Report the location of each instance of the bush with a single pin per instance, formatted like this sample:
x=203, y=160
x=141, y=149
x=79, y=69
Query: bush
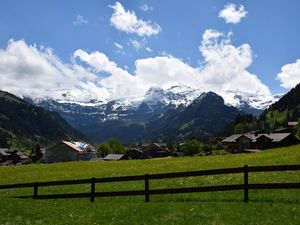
x=192, y=147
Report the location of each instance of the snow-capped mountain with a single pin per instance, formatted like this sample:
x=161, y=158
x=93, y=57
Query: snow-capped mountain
x=129, y=119
x=155, y=101
x=176, y=95
x=239, y=99
x=184, y=95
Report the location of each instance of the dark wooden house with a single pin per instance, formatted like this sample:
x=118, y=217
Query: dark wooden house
x=261, y=141
x=11, y=157
x=155, y=150
x=134, y=154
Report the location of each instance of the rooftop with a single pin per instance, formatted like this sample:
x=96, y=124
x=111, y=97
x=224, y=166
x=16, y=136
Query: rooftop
x=275, y=137
x=113, y=156
x=80, y=147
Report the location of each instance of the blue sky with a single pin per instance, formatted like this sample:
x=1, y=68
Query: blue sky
x=269, y=29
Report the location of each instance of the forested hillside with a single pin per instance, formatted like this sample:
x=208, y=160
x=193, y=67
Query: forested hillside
x=22, y=124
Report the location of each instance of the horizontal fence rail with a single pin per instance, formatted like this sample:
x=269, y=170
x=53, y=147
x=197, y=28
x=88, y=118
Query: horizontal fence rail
x=147, y=177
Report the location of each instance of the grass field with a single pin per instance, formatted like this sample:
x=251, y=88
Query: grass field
x=265, y=206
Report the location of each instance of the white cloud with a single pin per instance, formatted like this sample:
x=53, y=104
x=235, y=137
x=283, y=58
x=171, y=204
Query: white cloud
x=98, y=60
x=128, y=22
x=28, y=70
x=224, y=69
x=37, y=72
x=80, y=20
x=139, y=45
x=119, y=46
x=225, y=66
x=145, y=7
x=136, y=44
x=119, y=83
x=232, y=14
x=290, y=74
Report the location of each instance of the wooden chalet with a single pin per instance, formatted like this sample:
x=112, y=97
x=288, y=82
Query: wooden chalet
x=260, y=141
x=155, y=150
x=69, y=151
x=134, y=153
x=11, y=157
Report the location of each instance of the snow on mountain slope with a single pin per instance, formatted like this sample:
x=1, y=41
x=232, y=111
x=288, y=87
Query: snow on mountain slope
x=156, y=100
x=239, y=99
x=176, y=95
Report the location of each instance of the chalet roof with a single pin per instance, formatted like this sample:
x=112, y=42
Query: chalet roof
x=79, y=146
x=292, y=123
x=23, y=157
x=281, y=130
x=8, y=152
x=275, y=137
x=4, y=152
x=113, y=156
x=232, y=138
x=153, y=143
x=135, y=150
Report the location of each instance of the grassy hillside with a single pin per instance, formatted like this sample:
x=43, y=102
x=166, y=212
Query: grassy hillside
x=265, y=207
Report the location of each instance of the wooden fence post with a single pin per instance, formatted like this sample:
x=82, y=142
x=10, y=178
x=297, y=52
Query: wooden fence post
x=246, y=194
x=146, y=188
x=35, y=190
x=92, y=197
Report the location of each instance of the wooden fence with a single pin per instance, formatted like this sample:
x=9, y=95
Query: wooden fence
x=147, y=177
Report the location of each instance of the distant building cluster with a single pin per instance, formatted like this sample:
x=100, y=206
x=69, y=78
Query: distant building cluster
x=11, y=157
x=256, y=141
x=76, y=151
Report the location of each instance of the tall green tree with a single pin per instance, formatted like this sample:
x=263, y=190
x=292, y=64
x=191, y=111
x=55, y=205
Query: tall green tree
x=113, y=145
x=192, y=147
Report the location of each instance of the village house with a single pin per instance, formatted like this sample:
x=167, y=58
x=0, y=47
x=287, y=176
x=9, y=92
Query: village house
x=134, y=153
x=251, y=142
x=155, y=150
x=69, y=151
x=11, y=157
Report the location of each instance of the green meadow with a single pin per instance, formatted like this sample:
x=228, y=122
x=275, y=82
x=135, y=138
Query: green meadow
x=264, y=206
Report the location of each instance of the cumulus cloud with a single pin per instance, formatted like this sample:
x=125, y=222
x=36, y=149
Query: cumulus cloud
x=225, y=66
x=98, y=60
x=37, y=72
x=119, y=83
x=232, y=14
x=33, y=71
x=80, y=20
x=290, y=74
x=128, y=22
x=224, y=69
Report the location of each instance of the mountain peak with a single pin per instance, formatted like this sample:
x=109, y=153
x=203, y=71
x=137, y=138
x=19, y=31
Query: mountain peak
x=209, y=98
